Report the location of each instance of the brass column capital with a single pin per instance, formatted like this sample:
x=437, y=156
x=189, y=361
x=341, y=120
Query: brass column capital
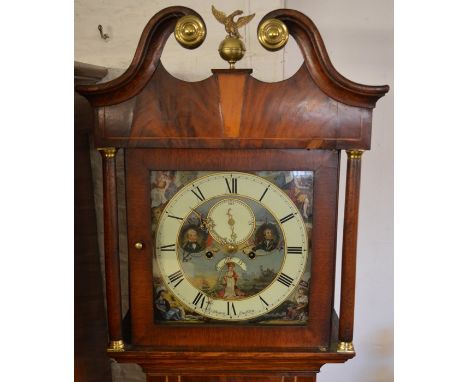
x=354, y=154
x=107, y=152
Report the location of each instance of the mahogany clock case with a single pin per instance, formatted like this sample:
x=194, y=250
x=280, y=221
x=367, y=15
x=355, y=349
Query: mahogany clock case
x=322, y=244
x=232, y=122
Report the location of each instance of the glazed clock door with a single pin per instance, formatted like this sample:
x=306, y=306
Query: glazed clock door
x=223, y=244
x=231, y=246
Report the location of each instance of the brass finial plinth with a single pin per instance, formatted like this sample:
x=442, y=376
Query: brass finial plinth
x=190, y=31
x=273, y=34
x=231, y=49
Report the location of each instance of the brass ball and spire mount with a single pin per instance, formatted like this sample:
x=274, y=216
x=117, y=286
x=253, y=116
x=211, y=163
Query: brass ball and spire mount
x=190, y=32
x=232, y=49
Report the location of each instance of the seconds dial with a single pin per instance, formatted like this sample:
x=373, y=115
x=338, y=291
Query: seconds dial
x=233, y=221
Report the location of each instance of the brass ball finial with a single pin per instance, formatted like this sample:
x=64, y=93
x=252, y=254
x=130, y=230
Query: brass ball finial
x=273, y=34
x=231, y=50
x=190, y=31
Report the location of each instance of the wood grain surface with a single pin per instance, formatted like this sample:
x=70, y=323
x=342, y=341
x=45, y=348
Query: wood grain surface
x=111, y=248
x=348, y=263
x=90, y=341
x=316, y=108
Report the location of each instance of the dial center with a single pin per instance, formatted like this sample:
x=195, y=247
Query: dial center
x=234, y=221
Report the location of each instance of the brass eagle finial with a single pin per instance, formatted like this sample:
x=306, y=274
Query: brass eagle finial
x=231, y=26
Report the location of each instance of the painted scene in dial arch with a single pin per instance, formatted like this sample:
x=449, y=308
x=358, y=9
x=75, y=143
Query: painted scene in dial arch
x=250, y=268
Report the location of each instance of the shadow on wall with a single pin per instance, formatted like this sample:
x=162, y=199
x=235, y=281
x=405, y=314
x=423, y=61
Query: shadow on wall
x=127, y=372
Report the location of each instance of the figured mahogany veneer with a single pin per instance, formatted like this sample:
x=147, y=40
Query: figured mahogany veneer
x=192, y=365
x=233, y=110
x=322, y=244
x=316, y=108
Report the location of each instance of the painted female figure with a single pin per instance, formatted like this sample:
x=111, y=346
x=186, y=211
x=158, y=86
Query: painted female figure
x=229, y=282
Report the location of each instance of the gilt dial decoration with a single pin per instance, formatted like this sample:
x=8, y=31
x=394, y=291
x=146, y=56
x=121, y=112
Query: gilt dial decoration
x=231, y=246
x=233, y=221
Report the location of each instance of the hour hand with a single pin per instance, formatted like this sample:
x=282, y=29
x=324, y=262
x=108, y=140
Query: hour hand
x=204, y=223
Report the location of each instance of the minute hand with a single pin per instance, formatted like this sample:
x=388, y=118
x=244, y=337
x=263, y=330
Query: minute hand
x=231, y=223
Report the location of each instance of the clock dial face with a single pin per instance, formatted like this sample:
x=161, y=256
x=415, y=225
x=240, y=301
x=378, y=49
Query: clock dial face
x=231, y=246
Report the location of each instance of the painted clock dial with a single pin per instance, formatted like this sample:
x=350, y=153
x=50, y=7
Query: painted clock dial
x=229, y=246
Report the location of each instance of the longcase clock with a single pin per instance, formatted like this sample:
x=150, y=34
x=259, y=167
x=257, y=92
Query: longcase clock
x=231, y=202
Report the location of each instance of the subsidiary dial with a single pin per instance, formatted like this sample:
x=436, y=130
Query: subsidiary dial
x=233, y=221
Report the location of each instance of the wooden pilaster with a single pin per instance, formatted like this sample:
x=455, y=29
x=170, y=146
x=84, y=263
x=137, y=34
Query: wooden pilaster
x=348, y=270
x=111, y=249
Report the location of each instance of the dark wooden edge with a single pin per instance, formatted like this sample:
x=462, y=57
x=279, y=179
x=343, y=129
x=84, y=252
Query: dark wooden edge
x=111, y=247
x=91, y=362
x=231, y=71
x=144, y=63
x=229, y=363
x=87, y=73
x=159, y=361
x=319, y=65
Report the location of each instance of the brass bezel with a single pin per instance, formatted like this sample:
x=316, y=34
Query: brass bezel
x=190, y=31
x=273, y=34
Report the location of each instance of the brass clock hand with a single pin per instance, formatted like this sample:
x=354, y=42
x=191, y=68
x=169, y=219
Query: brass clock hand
x=231, y=223
x=205, y=224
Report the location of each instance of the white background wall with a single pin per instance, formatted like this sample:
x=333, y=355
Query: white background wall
x=358, y=35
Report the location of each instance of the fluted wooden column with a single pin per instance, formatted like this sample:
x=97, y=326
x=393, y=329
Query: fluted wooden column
x=348, y=267
x=111, y=249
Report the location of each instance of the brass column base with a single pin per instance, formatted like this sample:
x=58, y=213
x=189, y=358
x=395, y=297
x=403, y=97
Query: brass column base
x=345, y=347
x=116, y=346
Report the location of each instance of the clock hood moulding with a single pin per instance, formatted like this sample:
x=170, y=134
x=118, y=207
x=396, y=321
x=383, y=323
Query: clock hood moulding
x=317, y=108
x=159, y=28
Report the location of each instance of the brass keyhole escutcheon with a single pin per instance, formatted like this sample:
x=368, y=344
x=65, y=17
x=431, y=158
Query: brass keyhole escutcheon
x=139, y=245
